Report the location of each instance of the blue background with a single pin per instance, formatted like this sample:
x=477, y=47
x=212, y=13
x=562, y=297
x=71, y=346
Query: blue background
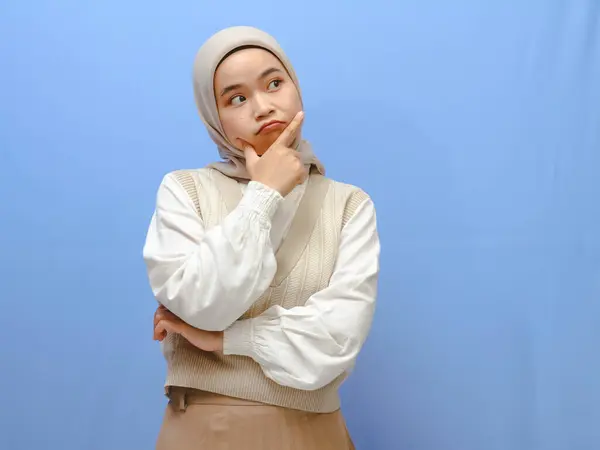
x=474, y=125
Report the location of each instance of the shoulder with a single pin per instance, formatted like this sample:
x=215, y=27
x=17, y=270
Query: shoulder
x=350, y=192
x=186, y=176
x=354, y=199
x=181, y=186
x=187, y=180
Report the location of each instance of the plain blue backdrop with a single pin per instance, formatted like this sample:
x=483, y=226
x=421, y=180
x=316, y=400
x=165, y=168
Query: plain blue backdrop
x=474, y=125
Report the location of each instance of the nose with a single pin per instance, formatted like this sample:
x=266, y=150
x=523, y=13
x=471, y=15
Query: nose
x=262, y=106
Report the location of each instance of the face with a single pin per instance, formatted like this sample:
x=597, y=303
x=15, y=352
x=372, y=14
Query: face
x=256, y=98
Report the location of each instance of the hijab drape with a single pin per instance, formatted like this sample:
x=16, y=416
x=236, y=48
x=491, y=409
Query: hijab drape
x=208, y=58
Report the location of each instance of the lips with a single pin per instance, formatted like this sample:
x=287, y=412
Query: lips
x=270, y=126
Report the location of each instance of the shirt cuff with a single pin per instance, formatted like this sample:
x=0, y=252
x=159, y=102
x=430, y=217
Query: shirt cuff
x=261, y=199
x=238, y=339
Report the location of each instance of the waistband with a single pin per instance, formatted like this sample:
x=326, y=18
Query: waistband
x=181, y=397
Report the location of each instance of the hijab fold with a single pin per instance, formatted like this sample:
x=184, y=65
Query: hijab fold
x=206, y=62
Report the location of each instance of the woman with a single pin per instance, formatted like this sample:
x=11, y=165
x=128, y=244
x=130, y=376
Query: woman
x=265, y=270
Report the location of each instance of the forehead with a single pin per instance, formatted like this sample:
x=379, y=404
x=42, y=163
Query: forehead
x=245, y=65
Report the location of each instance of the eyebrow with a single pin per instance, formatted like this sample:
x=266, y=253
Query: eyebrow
x=268, y=72
x=233, y=87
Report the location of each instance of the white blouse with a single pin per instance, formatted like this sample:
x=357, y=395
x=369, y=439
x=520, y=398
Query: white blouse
x=211, y=278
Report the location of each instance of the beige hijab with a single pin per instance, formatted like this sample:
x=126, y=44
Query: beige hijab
x=206, y=62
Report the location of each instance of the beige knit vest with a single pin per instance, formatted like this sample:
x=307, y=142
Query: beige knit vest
x=305, y=263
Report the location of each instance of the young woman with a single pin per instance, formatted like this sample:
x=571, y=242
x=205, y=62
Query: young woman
x=265, y=270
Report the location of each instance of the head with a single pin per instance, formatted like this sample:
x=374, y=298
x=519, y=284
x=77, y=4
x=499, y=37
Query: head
x=243, y=81
x=256, y=97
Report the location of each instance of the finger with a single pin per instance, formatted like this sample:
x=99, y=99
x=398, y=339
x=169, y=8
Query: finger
x=244, y=145
x=158, y=316
x=302, y=175
x=159, y=331
x=168, y=315
x=159, y=334
x=159, y=310
x=249, y=153
x=289, y=134
x=167, y=326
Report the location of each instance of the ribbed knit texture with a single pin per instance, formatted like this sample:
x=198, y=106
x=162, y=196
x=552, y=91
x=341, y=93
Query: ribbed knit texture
x=306, y=261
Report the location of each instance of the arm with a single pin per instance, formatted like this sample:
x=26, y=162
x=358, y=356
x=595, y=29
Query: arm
x=307, y=347
x=210, y=278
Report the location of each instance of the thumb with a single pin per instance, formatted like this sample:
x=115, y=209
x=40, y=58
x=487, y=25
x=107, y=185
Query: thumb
x=159, y=331
x=250, y=154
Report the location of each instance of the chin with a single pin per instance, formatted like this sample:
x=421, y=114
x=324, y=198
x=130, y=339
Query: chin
x=265, y=141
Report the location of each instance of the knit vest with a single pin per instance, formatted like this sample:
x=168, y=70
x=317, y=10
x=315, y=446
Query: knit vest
x=305, y=263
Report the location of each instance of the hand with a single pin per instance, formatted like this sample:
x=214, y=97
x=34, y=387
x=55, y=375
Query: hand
x=280, y=167
x=166, y=322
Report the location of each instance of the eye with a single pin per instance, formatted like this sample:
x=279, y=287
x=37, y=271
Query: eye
x=274, y=84
x=237, y=100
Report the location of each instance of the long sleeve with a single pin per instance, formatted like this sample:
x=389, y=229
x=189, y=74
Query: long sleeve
x=307, y=347
x=210, y=278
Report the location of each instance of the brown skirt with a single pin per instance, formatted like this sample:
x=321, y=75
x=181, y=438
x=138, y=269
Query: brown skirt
x=196, y=420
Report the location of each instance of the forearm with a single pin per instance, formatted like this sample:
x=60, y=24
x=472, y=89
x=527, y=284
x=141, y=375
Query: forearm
x=210, y=278
x=308, y=346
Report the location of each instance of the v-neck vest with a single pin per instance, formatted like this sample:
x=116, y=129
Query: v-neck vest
x=305, y=263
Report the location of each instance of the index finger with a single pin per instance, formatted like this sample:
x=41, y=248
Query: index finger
x=289, y=134
x=243, y=145
x=249, y=153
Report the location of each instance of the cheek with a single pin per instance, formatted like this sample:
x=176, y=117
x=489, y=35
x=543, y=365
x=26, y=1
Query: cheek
x=235, y=125
x=292, y=101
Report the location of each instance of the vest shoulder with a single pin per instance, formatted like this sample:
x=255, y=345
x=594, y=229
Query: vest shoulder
x=202, y=171
x=347, y=189
x=198, y=176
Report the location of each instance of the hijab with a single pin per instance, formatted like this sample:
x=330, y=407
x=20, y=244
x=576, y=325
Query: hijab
x=208, y=58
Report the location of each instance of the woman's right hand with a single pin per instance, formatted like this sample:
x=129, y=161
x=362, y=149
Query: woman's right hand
x=280, y=167
x=166, y=322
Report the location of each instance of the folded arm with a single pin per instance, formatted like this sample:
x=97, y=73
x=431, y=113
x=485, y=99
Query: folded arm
x=307, y=347
x=209, y=278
